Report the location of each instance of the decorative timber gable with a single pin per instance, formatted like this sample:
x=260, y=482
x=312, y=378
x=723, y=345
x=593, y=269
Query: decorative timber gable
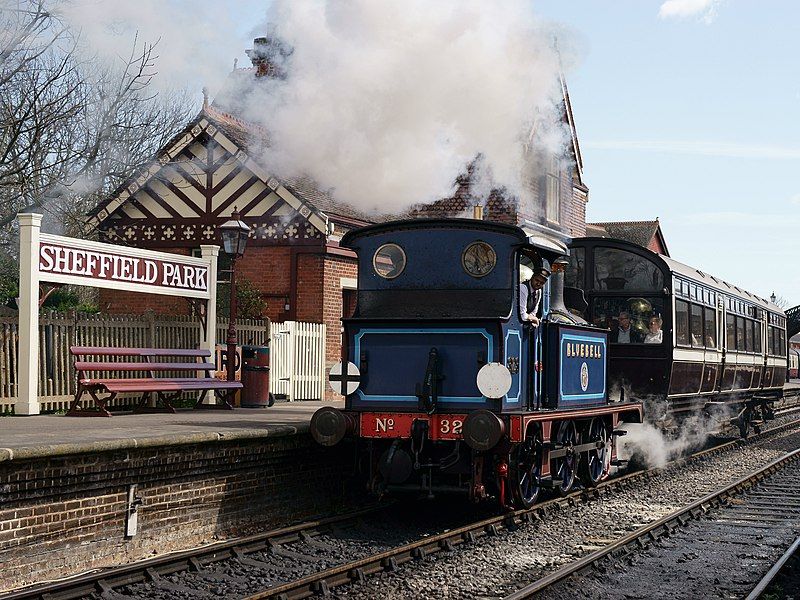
x=195, y=183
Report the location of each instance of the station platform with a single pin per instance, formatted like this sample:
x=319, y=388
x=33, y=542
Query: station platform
x=43, y=436
x=81, y=493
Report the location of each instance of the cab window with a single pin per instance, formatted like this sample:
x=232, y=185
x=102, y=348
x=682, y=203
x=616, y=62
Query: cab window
x=618, y=270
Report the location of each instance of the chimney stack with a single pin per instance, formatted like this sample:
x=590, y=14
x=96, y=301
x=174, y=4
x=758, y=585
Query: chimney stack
x=268, y=55
x=477, y=212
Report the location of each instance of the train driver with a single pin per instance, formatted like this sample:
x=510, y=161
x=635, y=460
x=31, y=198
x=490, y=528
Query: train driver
x=530, y=292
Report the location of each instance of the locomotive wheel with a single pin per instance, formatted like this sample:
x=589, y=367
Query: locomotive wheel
x=525, y=469
x=596, y=468
x=566, y=466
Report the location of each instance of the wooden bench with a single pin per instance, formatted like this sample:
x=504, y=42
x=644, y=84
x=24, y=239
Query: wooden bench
x=97, y=376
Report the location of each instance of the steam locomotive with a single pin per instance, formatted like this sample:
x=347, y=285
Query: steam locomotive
x=450, y=387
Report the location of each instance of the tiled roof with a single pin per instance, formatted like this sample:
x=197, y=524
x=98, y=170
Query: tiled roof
x=636, y=232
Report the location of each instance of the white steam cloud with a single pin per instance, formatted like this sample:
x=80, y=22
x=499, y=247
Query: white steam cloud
x=386, y=103
x=681, y=9
x=196, y=40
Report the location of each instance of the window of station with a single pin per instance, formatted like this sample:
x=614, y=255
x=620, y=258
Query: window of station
x=611, y=313
x=618, y=270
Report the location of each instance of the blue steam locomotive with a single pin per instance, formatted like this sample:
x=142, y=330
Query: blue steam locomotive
x=448, y=381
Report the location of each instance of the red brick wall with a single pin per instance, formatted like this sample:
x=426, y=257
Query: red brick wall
x=63, y=515
x=655, y=246
x=114, y=302
x=335, y=268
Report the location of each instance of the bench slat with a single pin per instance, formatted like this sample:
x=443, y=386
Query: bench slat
x=167, y=385
x=143, y=366
x=104, y=351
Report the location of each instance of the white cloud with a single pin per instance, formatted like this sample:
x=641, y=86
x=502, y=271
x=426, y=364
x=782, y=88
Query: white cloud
x=682, y=9
x=795, y=199
x=698, y=147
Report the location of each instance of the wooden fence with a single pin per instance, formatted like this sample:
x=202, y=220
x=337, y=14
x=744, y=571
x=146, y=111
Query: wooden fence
x=59, y=331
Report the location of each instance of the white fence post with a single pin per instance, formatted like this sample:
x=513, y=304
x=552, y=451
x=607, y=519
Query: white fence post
x=28, y=365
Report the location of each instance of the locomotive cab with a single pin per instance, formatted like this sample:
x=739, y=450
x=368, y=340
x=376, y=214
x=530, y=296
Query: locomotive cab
x=446, y=374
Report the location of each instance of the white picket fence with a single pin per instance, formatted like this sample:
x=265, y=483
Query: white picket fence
x=297, y=351
x=297, y=360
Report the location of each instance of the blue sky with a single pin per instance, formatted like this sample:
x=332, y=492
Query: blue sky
x=695, y=120
x=687, y=110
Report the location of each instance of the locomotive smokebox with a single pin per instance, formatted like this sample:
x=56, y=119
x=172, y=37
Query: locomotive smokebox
x=483, y=430
x=330, y=425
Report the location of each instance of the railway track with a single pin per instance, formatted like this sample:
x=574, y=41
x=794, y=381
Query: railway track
x=705, y=545
x=222, y=568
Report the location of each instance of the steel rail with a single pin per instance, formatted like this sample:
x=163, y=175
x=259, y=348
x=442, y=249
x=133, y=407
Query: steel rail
x=389, y=560
x=101, y=580
x=104, y=579
x=656, y=529
x=762, y=585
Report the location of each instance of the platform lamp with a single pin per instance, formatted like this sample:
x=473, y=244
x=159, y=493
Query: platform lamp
x=234, y=239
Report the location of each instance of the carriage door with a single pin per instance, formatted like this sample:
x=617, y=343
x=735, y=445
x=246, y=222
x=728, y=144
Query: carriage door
x=722, y=341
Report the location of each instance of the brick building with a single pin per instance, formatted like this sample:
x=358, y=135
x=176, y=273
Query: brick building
x=647, y=234
x=177, y=201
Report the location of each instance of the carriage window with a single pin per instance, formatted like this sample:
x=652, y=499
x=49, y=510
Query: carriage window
x=757, y=337
x=748, y=335
x=710, y=328
x=697, y=325
x=752, y=345
x=770, y=340
x=573, y=277
x=606, y=312
x=682, y=323
x=782, y=335
x=740, y=334
x=621, y=270
x=730, y=331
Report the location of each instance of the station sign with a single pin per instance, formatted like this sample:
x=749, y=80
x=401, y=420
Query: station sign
x=78, y=262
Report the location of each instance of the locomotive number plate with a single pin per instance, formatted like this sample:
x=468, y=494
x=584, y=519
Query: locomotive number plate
x=398, y=425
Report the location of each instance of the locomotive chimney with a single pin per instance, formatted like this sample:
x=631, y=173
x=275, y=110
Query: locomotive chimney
x=558, y=311
x=477, y=212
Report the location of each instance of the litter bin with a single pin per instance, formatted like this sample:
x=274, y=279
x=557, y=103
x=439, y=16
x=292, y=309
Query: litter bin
x=255, y=377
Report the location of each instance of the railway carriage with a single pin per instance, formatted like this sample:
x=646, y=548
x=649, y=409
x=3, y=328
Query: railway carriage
x=719, y=346
x=448, y=388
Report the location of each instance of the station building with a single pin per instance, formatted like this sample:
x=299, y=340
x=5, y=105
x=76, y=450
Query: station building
x=211, y=167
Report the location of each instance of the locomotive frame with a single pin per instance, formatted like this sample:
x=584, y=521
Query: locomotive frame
x=448, y=388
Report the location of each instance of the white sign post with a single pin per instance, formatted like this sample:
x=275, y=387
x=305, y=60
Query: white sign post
x=47, y=258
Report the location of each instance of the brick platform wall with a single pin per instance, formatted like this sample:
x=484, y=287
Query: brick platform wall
x=63, y=515
x=335, y=268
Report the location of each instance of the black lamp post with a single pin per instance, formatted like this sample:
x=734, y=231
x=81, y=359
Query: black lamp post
x=234, y=239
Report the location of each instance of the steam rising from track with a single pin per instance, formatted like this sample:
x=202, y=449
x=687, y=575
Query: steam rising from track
x=655, y=448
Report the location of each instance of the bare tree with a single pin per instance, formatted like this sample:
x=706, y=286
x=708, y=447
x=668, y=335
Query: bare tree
x=72, y=127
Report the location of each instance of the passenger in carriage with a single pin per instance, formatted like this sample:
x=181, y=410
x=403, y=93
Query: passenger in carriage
x=624, y=334
x=654, y=333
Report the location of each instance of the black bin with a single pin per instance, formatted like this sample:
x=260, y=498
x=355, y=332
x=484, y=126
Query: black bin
x=255, y=377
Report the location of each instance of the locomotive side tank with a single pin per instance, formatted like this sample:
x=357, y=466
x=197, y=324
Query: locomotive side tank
x=447, y=384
